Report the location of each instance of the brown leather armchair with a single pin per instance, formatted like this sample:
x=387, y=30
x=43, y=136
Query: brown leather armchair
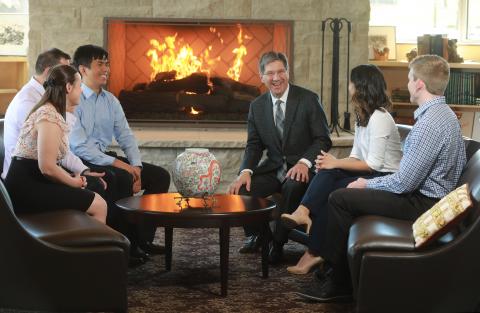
x=59, y=261
x=390, y=275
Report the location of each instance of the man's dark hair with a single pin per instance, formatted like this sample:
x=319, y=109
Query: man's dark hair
x=84, y=55
x=49, y=58
x=56, y=87
x=269, y=57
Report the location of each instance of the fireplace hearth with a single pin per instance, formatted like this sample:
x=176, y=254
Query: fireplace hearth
x=190, y=70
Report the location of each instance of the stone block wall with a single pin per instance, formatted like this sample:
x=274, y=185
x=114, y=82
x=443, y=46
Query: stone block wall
x=162, y=146
x=66, y=24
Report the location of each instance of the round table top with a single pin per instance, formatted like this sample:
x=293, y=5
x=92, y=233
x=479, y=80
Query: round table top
x=172, y=204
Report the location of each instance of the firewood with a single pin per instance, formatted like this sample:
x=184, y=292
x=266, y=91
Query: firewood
x=208, y=103
x=196, y=82
x=239, y=95
x=164, y=76
x=149, y=101
x=235, y=86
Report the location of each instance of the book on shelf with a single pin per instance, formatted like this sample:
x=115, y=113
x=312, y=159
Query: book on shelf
x=400, y=95
x=433, y=44
x=463, y=88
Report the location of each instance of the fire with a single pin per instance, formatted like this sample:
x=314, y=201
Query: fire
x=165, y=57
x=193, y=111
x=235, y=71
x=174, y=55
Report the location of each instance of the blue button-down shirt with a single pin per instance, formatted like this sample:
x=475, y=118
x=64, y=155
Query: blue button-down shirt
x=100, y=118
x=434, y=154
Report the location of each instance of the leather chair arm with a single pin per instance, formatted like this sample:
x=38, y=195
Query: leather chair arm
x=69, y=228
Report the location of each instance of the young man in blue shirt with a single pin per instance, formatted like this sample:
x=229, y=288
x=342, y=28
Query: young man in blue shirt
x=100, y=119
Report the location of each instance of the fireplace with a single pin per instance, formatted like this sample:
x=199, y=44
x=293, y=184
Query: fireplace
x=186, y=70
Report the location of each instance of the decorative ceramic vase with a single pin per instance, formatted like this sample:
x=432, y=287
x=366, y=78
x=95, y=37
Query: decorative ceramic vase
x=196, y=173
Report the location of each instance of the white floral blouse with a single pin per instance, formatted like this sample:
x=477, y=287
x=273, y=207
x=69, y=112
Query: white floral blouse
x=27, y=141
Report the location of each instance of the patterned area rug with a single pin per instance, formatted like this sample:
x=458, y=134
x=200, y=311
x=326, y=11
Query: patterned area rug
x=193, y=284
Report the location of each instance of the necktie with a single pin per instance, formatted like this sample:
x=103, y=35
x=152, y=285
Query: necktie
x=279, y=121
x=279, y=117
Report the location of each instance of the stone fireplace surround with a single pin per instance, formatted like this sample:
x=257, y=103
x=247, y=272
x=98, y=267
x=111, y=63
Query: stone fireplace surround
x=66, y=24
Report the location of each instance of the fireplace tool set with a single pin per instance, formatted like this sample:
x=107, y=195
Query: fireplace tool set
x=336, y=25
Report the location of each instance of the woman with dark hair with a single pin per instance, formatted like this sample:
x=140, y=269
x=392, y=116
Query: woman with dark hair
x=35, y=181
x=376, y=151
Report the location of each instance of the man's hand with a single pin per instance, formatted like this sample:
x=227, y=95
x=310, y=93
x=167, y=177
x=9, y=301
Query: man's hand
x=360, y=183
x=79, y=181
x=124, y=166
x=137, y=173
x=99, y=175
x=298, y=172
x=325, y=161
x=137, y=185
x=137, y=178
x=242, y=179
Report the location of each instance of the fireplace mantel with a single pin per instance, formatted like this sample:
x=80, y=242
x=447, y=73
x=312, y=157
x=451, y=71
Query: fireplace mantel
x=228, y=138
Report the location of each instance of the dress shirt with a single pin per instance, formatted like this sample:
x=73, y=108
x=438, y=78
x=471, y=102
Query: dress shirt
x=283, y=105
x=71, y=161
x=100, y=118
x=434, y=154
x=16, y=114
x=378, y=143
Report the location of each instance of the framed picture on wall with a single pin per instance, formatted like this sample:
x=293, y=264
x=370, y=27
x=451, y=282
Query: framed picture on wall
x=13, y=27
x=381, y=43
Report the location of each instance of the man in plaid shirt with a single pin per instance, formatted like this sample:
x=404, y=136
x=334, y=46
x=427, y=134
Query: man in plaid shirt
x=433, y=159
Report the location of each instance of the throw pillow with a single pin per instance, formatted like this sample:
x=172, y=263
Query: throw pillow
x=442, y=217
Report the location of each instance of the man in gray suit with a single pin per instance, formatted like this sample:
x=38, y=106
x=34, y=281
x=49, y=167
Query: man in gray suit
x=289, y=123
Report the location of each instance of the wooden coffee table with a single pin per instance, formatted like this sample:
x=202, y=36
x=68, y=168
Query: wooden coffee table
x=221, y=211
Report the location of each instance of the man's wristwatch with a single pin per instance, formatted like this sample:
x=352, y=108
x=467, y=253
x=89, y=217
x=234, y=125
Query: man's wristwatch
x=85, y=171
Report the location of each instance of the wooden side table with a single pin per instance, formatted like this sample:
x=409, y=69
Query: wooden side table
x=220, y=211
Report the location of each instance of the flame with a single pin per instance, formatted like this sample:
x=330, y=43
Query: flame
x=235, y=71
x=174, y=55
x=193, y=111
x=165, y=57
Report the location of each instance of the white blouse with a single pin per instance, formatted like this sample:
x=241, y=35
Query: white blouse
x=378, y=144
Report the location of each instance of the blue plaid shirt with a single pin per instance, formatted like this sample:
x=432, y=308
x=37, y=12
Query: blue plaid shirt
x=434, y=154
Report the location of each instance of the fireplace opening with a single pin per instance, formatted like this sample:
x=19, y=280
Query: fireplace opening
x=190, y=70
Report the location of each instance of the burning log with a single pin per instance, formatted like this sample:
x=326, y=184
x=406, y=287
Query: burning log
x=197, y=83
x=238, y=95
x=139, y=87
x=148, y=101
x=233, y=85
x=163, y=76
x=209, y=103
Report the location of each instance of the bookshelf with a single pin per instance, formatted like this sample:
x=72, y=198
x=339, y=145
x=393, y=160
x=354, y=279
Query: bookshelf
x=13, y=75
x=396, y=72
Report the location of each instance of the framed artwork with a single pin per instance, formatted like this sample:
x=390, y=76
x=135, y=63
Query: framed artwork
x=381, y=43
x=13, y=27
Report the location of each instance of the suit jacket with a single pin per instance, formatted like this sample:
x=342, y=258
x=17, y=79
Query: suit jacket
x=305, y=132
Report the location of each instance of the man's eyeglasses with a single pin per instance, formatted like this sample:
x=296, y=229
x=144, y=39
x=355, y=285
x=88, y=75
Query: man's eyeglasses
x=272, y=73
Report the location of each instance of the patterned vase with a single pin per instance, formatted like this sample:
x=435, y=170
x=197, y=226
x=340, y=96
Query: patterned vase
x=196, y=173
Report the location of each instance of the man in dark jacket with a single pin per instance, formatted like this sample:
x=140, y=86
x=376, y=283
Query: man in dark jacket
x=289, y=123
